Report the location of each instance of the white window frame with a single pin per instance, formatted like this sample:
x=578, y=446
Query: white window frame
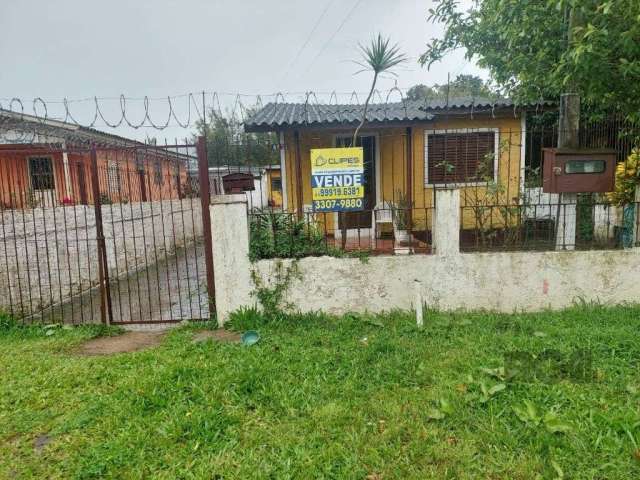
x=496, y=155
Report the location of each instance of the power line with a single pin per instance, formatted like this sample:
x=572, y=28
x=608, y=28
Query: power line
x=304, y=45
x=326, y=44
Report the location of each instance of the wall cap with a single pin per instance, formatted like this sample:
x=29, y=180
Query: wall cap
x=228, y=199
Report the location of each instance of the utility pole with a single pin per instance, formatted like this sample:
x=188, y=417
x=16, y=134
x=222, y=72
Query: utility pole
x=568, y=137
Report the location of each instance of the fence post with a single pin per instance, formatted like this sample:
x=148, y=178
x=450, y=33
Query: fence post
x=446, y=228
x=106, y=311
x=205, y=192
x=232, y=269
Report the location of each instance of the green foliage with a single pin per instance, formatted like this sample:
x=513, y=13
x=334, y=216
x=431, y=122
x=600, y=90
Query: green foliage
x=7, y=321
x=228, y=144
x=328, y=397
x=627, y=180
x=379, y=56
x=462, y=86
x=539, y=49
x=282, y=235
x=401, y=211
x=271, y=297
x=584, y=217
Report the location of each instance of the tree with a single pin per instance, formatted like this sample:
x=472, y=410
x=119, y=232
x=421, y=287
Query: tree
x=228, y=144
x=533, y=51
x=379, y=57
x=462, y=86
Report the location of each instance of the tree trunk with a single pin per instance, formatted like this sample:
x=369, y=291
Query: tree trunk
x=342, y=216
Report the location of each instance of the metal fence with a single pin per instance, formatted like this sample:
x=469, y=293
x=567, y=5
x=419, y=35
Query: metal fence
x=498, y=171
x=110, y=233
x=121, y=232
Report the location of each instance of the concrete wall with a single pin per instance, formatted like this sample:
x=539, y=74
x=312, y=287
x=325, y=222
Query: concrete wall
x=48, y=255
x=447, y=280
x=496, y=281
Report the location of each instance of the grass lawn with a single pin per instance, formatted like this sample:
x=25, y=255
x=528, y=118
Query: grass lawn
x=321, y=397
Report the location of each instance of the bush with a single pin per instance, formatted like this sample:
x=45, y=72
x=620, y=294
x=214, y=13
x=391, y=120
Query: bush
x=7, y=322
x=282, y=235
x=627, y=179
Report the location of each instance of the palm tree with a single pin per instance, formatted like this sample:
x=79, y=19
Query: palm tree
x=379, y=57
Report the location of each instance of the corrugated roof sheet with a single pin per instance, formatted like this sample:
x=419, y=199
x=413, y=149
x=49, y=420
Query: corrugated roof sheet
x=282, y=115
x=31, y=129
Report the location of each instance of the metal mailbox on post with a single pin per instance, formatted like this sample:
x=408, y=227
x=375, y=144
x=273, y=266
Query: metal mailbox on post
x=568, y=170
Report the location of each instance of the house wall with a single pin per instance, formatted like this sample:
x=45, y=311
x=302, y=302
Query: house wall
x=393, y=165
x=15, y=183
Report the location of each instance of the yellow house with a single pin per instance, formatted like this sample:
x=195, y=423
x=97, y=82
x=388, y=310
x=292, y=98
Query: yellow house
x=274, y=186
x=410, y=150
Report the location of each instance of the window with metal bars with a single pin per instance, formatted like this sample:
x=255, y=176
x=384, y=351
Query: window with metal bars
x=157, y=172
x=460, y=156
x=114, y=177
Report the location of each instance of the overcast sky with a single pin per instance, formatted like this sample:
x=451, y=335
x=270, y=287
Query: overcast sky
x=84, y=48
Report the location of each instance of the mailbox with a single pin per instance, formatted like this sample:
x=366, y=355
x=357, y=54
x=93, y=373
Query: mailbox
x=578, y=170
x=238, y=182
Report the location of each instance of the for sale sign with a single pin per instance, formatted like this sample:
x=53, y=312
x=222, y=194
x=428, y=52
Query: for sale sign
x=337, y=179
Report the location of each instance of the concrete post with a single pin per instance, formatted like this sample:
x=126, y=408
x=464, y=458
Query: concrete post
x=566, y=222
x=603, y=222
x=231, y=266
x=446, y=228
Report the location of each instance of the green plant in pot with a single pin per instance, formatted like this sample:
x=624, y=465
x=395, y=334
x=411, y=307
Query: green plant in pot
x=401, y=214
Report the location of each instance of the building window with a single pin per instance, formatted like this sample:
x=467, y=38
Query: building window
x=114, y=177
x=41, y=172
x=460, y=156
x=276, y=184
x=157, y=172
x=140, y=160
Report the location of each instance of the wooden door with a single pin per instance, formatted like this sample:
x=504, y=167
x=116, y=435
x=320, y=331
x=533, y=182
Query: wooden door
x=82, y=185
x=362, y=219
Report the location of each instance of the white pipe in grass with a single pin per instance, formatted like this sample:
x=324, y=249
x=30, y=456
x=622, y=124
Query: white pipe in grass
x=418, y=304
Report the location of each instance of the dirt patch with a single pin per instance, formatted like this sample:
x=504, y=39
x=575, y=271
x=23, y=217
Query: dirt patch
x=40, y=442
x=217, y=335
x=127, y=342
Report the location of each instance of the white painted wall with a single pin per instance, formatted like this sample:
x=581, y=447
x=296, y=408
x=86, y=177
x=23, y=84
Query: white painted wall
x=231, y=266
x=504, y=282
x=449, y=280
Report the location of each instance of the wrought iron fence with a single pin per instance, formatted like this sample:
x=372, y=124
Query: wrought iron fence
x=111, y=233
x=278, y=234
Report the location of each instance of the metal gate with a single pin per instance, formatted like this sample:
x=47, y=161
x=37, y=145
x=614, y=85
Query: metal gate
x=124, y=237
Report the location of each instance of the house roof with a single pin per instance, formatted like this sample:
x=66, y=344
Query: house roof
x=274, y=116
x=19, y=128
x=222, y=170
x=23, y=129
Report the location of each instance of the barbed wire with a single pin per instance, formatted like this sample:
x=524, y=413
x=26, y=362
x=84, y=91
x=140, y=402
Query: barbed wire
x=188, y=111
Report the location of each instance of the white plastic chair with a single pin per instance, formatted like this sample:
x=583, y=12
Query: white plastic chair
x=380, y=215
